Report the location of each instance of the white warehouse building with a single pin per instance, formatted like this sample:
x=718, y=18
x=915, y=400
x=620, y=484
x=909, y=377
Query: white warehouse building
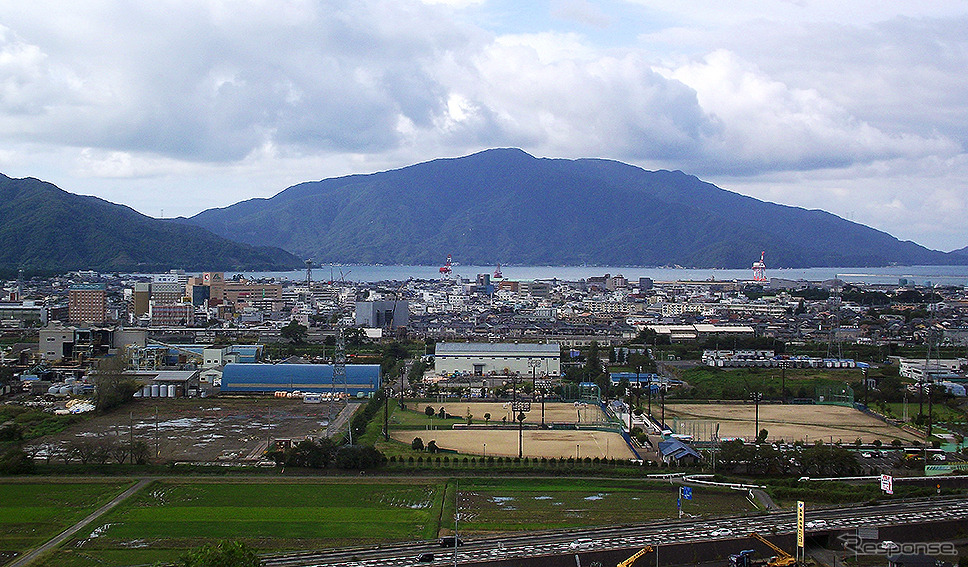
x=480, y=359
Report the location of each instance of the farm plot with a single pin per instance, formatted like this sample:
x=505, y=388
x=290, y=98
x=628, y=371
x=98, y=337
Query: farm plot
x=168, y=518
x=806, y=423
x=489, y=505
x=31, y=513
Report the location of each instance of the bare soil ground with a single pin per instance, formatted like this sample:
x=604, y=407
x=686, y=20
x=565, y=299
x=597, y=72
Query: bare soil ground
x=556, y=412
x=787, y=422
x=201, y=429
x=536, y=442
x=503, y=442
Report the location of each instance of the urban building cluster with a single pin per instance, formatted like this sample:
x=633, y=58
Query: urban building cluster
x=172, y=321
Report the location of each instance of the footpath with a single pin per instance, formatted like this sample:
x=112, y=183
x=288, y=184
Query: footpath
x=29, y=557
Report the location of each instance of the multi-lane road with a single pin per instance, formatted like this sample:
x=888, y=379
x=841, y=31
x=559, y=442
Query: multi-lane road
x=633, y=536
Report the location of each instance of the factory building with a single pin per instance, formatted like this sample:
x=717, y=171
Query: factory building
x=479, y=359
x=382, y=314
x=362, y=380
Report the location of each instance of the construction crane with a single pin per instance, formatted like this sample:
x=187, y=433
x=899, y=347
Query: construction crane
x=628, y=562
x=744, y=559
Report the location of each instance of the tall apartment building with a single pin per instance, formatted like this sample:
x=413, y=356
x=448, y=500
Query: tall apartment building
x=87, y=304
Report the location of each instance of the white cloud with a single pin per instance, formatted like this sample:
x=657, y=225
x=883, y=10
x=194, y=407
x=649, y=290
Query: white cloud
x=859, y=108
x=768, y=125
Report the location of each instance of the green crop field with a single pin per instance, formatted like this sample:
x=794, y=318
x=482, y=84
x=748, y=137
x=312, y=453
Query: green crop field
x=491, y=505
x=33, y=512
x=169, y=517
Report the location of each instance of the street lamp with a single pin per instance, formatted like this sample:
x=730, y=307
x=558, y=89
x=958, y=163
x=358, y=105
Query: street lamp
x=756, y=401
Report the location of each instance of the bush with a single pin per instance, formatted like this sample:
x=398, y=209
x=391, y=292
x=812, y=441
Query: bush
x=221, y=554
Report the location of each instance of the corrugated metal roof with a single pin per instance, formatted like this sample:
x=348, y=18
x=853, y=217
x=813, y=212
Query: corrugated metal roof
x=516, y=349
x=305, y=377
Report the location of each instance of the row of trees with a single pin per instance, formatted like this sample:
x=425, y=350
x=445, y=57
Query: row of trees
x=803, y=460
x=325, y=453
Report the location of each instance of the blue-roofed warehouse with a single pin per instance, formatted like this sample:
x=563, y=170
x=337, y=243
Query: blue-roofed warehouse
x=362, y=380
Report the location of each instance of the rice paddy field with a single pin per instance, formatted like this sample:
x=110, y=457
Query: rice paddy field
x=33, y=512
x=169, y=517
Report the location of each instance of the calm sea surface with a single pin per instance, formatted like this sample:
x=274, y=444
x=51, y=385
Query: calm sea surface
x=920, y=275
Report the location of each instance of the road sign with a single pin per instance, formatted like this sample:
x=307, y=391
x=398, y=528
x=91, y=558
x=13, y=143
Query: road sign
x=887, y=483
x=687, y=492
x=800, y=523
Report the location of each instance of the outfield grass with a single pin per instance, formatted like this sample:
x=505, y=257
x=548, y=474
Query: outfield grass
x=942, y=413
x=33, y=512
x=737, y=383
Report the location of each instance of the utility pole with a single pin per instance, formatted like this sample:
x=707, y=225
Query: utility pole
x=662, y=395
x=386, y=414
x=756, y=401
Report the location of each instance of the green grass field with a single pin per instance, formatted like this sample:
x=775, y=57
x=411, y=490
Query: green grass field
x=167, y=518
x=737, y=383
x=496, y=505
x=31, y=513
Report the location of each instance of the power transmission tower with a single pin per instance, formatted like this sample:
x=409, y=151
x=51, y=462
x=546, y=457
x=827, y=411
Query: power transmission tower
x=339, y=373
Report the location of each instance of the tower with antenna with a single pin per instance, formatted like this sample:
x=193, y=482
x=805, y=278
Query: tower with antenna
x=759, y=269
x=309, y=273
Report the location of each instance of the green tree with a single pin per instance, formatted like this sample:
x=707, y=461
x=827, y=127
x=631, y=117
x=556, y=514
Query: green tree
x=113, y=387
x=294, y=332
x=417, y=444
x=221, y=554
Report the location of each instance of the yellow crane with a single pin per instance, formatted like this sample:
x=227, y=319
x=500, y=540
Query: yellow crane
x=782, y=559
x=628, y=562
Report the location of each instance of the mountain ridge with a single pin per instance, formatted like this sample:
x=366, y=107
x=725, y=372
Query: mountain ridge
x=504, y=205
x=47, y=228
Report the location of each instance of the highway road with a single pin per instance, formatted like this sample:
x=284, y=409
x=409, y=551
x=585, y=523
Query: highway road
x=633, y=536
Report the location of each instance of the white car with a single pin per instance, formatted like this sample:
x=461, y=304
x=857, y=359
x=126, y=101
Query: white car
x=888, y=545
x=582, y=543
x=815, y=524
x=721, y=532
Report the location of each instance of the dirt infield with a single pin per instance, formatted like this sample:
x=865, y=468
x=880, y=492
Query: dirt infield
x=503, y=442
x=556, y=412
x=787, y=422
x=536, y=442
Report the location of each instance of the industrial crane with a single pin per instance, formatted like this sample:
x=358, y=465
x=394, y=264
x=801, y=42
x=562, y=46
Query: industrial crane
x=628, y=562
x=743, y=559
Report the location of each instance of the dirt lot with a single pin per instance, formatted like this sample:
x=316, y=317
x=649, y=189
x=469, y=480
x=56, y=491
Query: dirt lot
x=788, y=422
x=536, y=443
x=554, y=412
x=202, y=429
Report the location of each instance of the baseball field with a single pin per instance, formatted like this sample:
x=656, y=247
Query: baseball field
x=789, y=423
x=492, y=432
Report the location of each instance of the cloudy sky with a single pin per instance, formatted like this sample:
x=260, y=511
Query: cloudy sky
x=174, y=106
